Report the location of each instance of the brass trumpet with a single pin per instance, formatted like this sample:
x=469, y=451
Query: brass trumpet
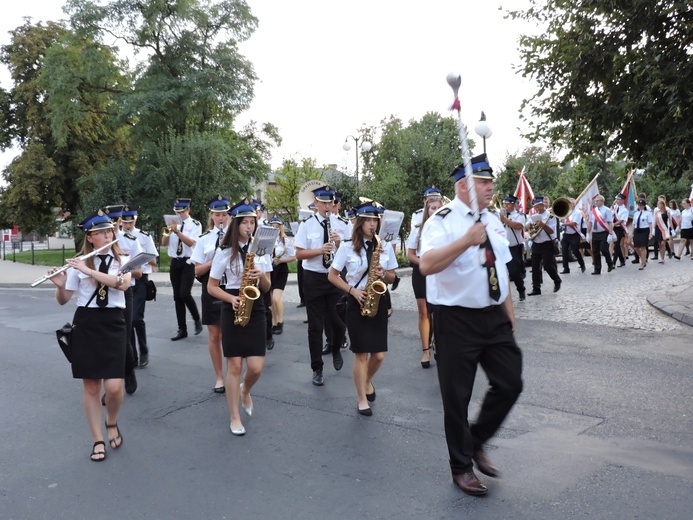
x=165, y=231
x=561, y=207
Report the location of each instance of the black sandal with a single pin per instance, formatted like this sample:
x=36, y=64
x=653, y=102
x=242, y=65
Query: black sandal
x=426, y=364
x=97, y=453
x=112, y=441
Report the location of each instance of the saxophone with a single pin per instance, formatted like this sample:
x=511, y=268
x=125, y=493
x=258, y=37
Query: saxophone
x=248, y=293
x=374, y=288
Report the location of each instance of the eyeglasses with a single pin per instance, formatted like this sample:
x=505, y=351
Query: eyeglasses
x=101, y=232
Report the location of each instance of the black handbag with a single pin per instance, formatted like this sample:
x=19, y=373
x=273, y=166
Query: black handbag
x=151, y=290
x=64, y=336
x=341, y=304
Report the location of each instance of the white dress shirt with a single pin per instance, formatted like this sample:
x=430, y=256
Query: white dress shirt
x=85, y=285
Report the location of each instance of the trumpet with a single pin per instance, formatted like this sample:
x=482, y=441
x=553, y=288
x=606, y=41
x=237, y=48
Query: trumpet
x=64, y=268
x=561, y=207
x=165, y=231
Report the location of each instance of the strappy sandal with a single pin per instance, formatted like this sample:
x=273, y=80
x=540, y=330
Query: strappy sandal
x=113, y=441
x=426, y=364
x=98, y=453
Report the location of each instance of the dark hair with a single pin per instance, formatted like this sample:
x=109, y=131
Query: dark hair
x=357, y=233
x=233, y=236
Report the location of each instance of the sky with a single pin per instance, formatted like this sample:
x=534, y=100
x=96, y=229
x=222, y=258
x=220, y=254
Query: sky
x=327, y=69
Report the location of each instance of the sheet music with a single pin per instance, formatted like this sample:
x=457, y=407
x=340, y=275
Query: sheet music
x=136, y=262
x=264, y=240
x=172, y=219
x=390, y=225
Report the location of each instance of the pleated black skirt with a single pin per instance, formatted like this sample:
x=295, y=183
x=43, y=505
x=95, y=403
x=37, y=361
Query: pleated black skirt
x=211, y=308
x=237, y=341
x=98, y=343
x=418, y=283
x=641, y=237
x=366, y=335
x=279, y=276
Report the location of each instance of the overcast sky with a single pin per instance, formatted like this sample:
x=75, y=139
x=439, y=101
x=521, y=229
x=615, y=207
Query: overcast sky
x=327, y=68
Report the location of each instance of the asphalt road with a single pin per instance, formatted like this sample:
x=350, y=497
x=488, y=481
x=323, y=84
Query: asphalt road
x=603, y=430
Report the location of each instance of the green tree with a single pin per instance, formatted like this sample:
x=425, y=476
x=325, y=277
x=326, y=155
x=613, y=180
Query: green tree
x=408, y=159
x=282, y=199
x=192, y=77
x=612, y=75
x=59, y=115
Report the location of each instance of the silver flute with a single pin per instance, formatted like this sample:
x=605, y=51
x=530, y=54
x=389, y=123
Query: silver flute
x=67, y=266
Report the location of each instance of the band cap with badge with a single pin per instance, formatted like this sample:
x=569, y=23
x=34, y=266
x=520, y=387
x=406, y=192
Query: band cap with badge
x=181, y=205
x=219, y=204
x=324, y=194
x=242, y=209
x=129, y=212
x=114, y=211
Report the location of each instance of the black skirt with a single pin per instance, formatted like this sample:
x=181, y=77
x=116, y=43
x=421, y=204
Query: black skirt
x=98, y=343
x=687, y=233
x=641, y=237
x=247, y=341
x=211, y=308
x=279, y=276
x=418, y=283
x=366, y=335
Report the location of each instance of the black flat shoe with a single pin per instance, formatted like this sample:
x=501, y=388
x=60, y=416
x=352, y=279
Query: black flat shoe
x=100, y=454
x=366, y=411
x=219, y=389
x=300, y=305
x=131, y=383
x=278, y=328
x=198, y=327
x=269, y=345
x=338, y=362
x=371, y=397
x=144, y=360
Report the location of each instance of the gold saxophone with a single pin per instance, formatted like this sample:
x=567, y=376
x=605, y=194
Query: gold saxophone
x=248, y=293
x=374, y=288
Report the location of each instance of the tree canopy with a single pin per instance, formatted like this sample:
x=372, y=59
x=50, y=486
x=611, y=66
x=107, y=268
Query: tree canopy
x=612, y=76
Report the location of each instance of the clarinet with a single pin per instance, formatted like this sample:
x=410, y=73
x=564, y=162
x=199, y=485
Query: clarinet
x=327, y=258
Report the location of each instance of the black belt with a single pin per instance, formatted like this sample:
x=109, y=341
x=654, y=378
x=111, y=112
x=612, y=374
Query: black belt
x=599, y=232
x=490, y=308
x=642, y=229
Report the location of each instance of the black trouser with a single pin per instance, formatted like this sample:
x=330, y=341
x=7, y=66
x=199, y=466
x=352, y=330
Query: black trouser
x=299, y=279
x=542, y=254
x=267, y=297
x=618, y=254
x=321, y=297
x=130, y=356
x=138, y=333
x=516, y=268
x=600, y=247
x=571, y=242
x=466, y=338
x=182, y=275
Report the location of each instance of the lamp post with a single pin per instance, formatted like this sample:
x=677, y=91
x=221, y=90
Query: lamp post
x=483, y=130
x=365, y=146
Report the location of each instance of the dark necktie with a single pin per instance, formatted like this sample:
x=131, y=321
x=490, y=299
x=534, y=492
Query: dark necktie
x=244, y=251
x=325, y=239
x=490, y=265
x=639, y=215
x=220, y=237
x=369, y=252
x=179, y=250
x=102, y=291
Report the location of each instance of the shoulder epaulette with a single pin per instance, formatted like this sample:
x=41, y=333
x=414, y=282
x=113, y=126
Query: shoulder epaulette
x=128, y=235
x=346, y=240
x=196, y=222
x=342, y=219
x=417, y=225
x=307, y=218
x=224, y=246
x=145, y=233
x=418, y=211
x=442, y=213
x=205, y=233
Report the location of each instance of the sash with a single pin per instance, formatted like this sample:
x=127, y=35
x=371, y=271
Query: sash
x=576, y=228
x=661, y=225
x=598, y=218
x=674, y=222
x=617, y=220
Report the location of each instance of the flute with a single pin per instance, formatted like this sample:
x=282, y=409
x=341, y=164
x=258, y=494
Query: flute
x=67, y=266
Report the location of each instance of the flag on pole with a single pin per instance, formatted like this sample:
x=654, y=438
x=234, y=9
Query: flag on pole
x=524, y=193
x=584, y=201
x=630, y=193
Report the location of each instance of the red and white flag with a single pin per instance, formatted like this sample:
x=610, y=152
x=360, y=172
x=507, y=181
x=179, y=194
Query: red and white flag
x=524, y=194
x=584, y=201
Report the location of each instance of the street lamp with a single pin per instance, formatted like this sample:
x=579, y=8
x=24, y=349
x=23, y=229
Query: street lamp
x=483, y=130
x=365, y=147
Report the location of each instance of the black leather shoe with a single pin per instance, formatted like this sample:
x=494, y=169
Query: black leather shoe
x=278, y=328
x=582, y=268
x=622, y=264
x=270, y=344
x=318, y=380
x=610, y=268
x=534, y=292
x=484, y=465
x=596, y=272
x=395, y=284
x=635, y=261
x=523, y=296
x=326, y=349
x=181, y=334
x=338, y=361
x=565, y=271
x=131, y=383
x=198, y=327
x=144, y=360
x=469, y=483
x=556, y=286
x=300, y=305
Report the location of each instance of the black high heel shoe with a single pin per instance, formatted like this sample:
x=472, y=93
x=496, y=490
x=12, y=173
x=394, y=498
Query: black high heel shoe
x=426, y=364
